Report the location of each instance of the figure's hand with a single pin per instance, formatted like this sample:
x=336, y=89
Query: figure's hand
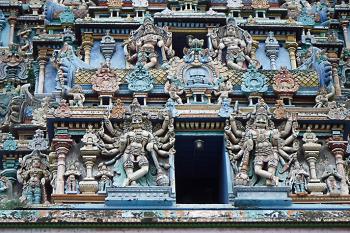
x=43, y=181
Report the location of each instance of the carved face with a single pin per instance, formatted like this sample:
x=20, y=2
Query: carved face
x=136, y=121
x=36, y=163
x=71, y=178
x=261, y=121
x=231, y=31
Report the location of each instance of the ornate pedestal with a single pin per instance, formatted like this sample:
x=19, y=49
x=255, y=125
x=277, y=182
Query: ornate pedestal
x=139, y=196
x=261, y=196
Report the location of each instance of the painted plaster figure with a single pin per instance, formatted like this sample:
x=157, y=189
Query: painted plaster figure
x=264, y=141
x=34, y=175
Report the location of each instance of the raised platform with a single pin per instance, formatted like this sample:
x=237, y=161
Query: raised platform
x=261, y=196
x=139, y=196
x=77, y=198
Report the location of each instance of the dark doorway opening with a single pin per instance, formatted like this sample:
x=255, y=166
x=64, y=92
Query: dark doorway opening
x=200, y=173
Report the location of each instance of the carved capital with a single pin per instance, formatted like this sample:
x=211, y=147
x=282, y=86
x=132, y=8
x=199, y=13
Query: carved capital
x=42, y=56
x=344, y=24
x=12, y=20
x=291, y=46
x=337, y=147
x=88, y=39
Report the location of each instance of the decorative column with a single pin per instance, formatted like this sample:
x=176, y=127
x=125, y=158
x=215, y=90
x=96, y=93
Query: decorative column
x=88, y=42
x=335, y=64
x=89, y=153
x=62, y=144
x=12, y=20
x=2, y=24
x=338, y=147
x=344, y=25
x=42, y=58
x=312, y=153
x=255, y=46
x=53, y=170
x=292, y=48
x=271, y=49
x=210, y=31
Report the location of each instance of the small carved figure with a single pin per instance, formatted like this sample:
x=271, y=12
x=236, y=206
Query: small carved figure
x=322, y=98
x=298, y=179
x=24, y=35
x=72, y=180
x=332, y=179
x=104, y=175
x=40, y=114
x=78, y=96
x=174, y=92
x=223, y=91
x=34, y=174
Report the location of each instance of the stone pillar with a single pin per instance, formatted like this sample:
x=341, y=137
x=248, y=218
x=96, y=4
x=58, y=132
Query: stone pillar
x=2, y=26
x=89, y=185
x=62, y=144
x=312, y=152
x=344, y=25
x=255, y=46
x=42, y=58
x=335, y=64
x=292, y=48
x=88, y=42
x=53, y=170
x=338, y=148
x=210, y=31
x=12, y=20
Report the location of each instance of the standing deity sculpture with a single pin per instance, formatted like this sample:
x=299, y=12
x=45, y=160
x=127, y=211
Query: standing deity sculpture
x=223, y=90
x=232, y=45
x=261, y=149
x=78, y=96
x=40, y=114
x=144, y=43
x=139, y=152
x=34, y=174
x=298, y=179
x=24, y=35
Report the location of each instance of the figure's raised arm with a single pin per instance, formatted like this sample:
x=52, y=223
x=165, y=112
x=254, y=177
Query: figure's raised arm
x=234, y=128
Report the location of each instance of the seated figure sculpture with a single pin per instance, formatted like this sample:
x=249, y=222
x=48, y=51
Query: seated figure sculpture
x=262, y=141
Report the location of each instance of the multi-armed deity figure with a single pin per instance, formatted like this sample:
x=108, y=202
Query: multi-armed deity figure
x=257, y=151
x=146, y=40
x=34, y=174
x=235, y=43
x=139, y=152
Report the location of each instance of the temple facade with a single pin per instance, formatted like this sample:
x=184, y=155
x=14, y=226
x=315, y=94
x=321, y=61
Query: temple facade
x=188, y=112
